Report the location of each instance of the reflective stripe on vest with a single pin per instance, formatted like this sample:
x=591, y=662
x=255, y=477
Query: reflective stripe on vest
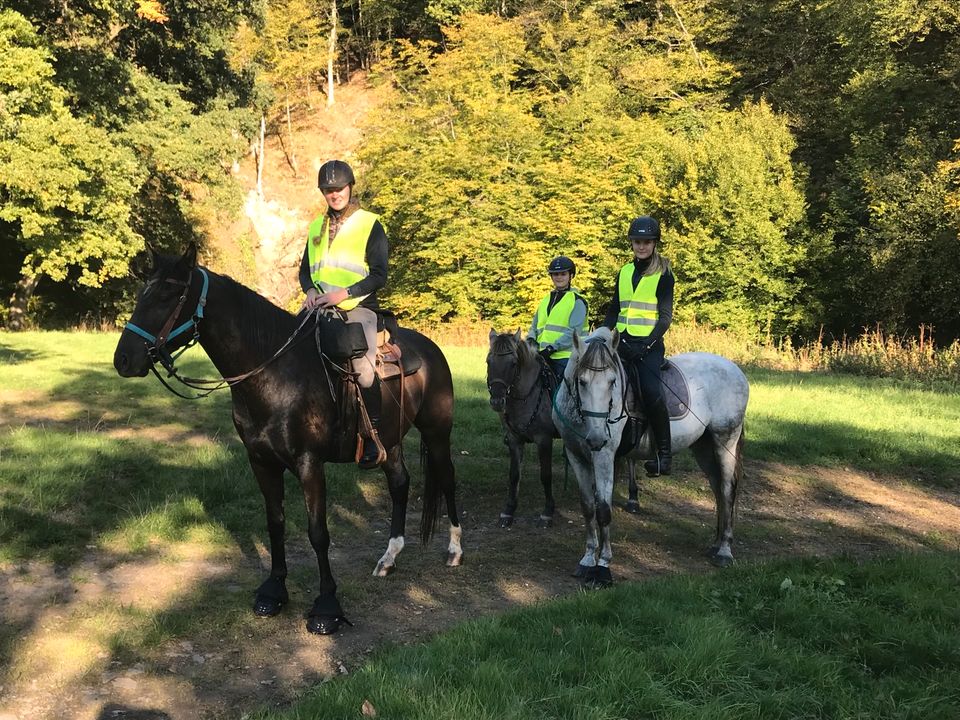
x=344, y=262
x=552, y=326
x=638, y=308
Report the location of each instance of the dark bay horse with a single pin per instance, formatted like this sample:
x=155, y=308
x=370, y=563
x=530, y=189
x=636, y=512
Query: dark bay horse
x=286, y=413
x=521, y=389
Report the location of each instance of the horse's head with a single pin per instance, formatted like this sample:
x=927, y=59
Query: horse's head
x=165, y=303
x=507, y=356
x=594, y=378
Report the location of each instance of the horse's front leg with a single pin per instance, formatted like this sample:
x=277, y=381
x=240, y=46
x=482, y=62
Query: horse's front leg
x=587, y=565
x=545, y=452
x=326, y=614
x=272, y=595
x=513, y=482
x=398, y=480
x=730, y=462
x=603, y=469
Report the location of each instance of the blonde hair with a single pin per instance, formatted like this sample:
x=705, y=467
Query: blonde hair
x=658, y=264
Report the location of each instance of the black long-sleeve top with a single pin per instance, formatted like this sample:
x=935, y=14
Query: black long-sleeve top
x=377, y=258
x=664, y=302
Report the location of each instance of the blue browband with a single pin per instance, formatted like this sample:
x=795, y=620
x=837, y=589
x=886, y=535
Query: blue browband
x=198, y=315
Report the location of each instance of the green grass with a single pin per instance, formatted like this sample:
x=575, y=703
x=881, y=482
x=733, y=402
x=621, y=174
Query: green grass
x=92, y=462
x=807, y=639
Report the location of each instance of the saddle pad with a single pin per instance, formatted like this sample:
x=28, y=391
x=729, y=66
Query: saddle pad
x=392, y=356
x=676, y=392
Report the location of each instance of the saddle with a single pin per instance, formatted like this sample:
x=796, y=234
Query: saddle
x=339, y=343
x=676, y=393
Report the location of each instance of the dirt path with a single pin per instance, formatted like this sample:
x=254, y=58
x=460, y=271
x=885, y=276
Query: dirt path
x=785, y=511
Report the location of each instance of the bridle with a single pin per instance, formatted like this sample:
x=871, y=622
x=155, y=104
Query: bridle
x=157, y=344
x=157, y=350
x=512, y=384
x=608, y=362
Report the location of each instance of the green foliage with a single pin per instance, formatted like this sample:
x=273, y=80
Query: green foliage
x=870, y=88
x=65, y=185
x=527, y=139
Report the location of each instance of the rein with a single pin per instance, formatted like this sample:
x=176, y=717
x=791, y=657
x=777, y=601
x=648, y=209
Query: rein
x=158, y=353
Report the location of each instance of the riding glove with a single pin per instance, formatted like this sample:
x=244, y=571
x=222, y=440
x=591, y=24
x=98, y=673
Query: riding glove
x=547, y=352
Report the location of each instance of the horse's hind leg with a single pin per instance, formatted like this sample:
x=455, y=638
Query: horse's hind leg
x=632, y=505
x=439, y=476
x=545, y=452
x=271, y=596
x=720, y=459
x=398, y=481
x=515, y=446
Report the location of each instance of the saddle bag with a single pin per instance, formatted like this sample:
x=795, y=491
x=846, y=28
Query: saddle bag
x=339, y=339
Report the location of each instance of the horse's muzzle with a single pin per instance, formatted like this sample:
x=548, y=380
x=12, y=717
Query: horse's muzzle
x=498, y=404
x=125, y=366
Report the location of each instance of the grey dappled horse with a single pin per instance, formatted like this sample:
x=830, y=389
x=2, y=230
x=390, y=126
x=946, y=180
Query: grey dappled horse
x=521, y=386
x=590, y=413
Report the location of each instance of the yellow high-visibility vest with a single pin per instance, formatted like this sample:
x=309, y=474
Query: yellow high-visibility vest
x=638, y=307
x=344, y=261
x=551, y=326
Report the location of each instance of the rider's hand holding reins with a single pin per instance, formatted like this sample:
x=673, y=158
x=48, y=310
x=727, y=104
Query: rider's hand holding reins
x=328, y=299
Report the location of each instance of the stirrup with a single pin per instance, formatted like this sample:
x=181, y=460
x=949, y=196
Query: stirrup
x=659, y=466
x=371, y=461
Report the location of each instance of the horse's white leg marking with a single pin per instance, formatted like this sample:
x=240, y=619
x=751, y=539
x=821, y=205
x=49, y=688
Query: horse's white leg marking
x=454, y=549
x=389, y=559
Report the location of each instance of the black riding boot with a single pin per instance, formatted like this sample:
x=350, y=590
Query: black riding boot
x=372, y=401
x=659, y=418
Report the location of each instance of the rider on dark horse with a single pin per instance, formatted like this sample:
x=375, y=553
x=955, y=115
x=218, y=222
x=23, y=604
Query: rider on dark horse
x=561, y=311
x=641, y=310
x=344, y=265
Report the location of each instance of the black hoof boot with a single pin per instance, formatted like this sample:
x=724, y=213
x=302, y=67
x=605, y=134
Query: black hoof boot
x=505, y=521
x=325, y=616
x=270, y=598
x=632, y=507
x=582, y=571
x=545, y=521
x=599, y=577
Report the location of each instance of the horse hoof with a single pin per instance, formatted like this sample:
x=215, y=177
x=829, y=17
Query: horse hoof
x=599, y=577
x=267, y=607
x=323, y=625
x=505, y=521
x=383, y=570
x=632, y=507
x=582, y=571
x=454, y=559
x=544, y=522
x=711, y=551
x=721, y=561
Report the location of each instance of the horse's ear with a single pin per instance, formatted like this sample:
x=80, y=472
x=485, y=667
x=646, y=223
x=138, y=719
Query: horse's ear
x=143, y=264
x=517, y=335
x=189, y=259
x=614, y=339
x=493, y=336
x=577, y=342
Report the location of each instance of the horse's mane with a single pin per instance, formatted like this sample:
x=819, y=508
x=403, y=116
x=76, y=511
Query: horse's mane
x=504, y=343
x=598, y=349
x=266, y=326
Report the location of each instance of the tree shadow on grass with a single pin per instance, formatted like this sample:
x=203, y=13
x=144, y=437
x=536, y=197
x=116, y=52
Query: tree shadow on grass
x=12, y=356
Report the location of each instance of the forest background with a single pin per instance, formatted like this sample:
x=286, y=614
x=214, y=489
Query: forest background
x=803, y=158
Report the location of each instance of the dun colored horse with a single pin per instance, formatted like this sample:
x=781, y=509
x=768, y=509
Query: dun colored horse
x=591, y=410
x=521, y=388
x=286, y=412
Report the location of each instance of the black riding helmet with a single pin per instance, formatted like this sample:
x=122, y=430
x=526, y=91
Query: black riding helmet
x=645, y=228
x=334, y=174
x=562, y=264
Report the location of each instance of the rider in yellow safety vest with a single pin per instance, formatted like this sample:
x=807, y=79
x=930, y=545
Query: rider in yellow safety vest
x=561, y=311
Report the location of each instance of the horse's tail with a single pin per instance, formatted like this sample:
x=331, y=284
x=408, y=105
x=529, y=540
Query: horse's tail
x=432, y=494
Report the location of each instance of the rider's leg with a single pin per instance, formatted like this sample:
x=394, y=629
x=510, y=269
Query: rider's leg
x=368, y=381
x=656, y=410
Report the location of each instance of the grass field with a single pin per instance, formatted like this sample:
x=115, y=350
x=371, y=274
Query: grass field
x=91, y=464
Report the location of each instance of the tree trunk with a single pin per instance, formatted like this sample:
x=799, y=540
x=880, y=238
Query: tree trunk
x=331, y=50
x=17, y=318
x=292, y=154
x=263, y=131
